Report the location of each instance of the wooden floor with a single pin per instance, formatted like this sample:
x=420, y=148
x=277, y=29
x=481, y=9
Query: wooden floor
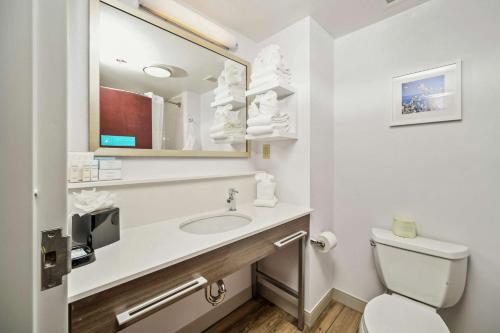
x=260, y=316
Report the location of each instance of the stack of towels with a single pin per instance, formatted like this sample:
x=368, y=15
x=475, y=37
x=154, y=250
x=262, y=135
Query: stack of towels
x=264, y=116
x=227, y=123
x=270, y=68
x=266, y=188
x=231, y=82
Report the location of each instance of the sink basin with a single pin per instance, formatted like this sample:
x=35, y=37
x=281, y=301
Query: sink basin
x=214, y=224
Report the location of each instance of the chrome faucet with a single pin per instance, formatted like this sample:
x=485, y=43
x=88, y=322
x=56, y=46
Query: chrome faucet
x=231, y=200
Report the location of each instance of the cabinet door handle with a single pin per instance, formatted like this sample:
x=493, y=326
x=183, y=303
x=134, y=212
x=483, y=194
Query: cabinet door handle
x=290, y=239
x=160, y=300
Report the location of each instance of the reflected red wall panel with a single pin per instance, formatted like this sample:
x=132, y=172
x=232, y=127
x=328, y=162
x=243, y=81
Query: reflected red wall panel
x=126, y=114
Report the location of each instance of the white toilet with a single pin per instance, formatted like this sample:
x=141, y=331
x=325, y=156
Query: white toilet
x=421, y=275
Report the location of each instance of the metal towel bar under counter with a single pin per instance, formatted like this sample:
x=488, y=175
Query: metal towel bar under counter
x=160, y=300
x=299, y=294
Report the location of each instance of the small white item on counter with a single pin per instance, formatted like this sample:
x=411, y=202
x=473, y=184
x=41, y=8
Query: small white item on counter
x=109, y=164
x=266, y=189
x=404, y=227
x=90, y=201
x=76, y=162
x=74, y=173
x=86, y=169
x=329, y=239
x=94, y=171
x=105, y=174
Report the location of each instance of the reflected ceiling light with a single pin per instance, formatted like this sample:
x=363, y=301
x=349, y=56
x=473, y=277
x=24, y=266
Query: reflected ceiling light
x=185, y=18
x=158, y=71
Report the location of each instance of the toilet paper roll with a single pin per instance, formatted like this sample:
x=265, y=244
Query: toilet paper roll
x=329, y=239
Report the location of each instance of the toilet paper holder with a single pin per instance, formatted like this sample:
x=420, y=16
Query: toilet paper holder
x=318, y=243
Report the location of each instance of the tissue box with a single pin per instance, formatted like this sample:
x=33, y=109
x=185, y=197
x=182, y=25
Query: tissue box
x=97, y=229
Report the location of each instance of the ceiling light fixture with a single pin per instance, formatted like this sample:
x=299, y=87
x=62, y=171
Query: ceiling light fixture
x=159, y=71
x=185, y=18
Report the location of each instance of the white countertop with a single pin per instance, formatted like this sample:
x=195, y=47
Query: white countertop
x=145, y=249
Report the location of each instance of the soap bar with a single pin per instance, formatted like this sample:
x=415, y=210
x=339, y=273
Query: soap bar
x=404, y=227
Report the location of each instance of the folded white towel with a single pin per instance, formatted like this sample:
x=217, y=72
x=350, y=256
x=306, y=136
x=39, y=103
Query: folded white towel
x=225, y=127
x=269, y=110
x=265, y=119
x=270, y=57
x=266, y=129
x=253, y=110
x=218, y=135
x=271, y=76
x=265, y=83
x=225, y=134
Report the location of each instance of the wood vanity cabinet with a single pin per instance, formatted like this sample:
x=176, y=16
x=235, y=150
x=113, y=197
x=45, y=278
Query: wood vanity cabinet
x=97, y=313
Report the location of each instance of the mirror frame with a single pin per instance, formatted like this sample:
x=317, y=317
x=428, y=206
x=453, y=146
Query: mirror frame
x=94, y=82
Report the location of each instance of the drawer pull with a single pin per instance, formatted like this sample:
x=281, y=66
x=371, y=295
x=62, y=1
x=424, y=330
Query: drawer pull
x=289, y=239
x=160, y=300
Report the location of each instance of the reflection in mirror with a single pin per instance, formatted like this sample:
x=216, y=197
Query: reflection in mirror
x=159, y=91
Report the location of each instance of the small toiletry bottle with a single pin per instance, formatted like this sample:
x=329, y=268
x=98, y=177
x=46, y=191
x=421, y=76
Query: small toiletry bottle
x=86, y=170
x=94, y=171
x=75, y=173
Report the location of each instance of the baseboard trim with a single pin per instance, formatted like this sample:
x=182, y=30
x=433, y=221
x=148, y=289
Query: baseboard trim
x=278, y=298
x=289, y=304
x=348, y=300
x=318, y=309
x=217, y=313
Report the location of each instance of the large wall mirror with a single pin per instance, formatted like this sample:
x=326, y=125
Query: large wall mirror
x=156, y=90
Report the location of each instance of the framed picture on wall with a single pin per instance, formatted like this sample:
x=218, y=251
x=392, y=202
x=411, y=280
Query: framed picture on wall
x=431, y=95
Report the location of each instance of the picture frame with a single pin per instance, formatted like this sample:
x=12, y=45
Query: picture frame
x=428, y=96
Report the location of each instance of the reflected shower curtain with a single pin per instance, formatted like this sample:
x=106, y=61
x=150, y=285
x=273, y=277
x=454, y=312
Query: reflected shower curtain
x=157, y=106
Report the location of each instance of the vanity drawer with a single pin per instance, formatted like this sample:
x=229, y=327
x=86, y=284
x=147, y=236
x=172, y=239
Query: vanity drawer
x=98, y=312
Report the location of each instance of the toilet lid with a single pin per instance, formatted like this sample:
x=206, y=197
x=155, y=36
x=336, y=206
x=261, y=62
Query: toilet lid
x=398, y=314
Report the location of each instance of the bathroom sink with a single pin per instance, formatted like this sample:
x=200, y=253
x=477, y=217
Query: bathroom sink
x=213, y=224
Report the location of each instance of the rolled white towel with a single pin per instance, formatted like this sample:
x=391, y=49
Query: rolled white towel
x=217, y=127
x=253, y=110
x=218, y=135
x=269, y=110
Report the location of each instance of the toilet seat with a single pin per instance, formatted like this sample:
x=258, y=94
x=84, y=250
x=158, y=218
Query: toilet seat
x=398, y=314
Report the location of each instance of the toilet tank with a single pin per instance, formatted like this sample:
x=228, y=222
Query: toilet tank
x=427, y=270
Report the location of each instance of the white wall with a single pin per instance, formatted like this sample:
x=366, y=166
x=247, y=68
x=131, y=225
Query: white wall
x=303, y=168
x=321, y=146
x=445, y=175
x=289, y=161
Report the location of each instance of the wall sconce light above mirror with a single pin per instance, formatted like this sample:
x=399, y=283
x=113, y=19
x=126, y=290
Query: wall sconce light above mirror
x=156, y=90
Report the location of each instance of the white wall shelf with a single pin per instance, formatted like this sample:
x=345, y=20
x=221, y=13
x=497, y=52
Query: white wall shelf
x=125, y=182
x=236, y=102
x=282, y=90
x=276, y=136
